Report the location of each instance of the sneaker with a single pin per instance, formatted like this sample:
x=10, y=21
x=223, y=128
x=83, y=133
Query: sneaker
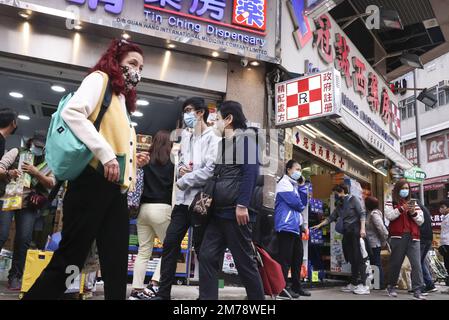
x=288, y=294
x=14, y=284
x=392, y=292
x=139, y=295
x=361, y=289
x=419, y=296
x=303, y=293
x=158, y=298
x=151, y=290
x=349, y=288
x=430, y=289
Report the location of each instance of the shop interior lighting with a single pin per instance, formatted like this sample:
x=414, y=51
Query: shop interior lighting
x=134, y=124
x=78, y=27
x=126, y=35
x=23, y=117
x=306, y=131
x=171, y=46
x=57, y=88
x=255, y=63
x=137, y=114
x=318, y=132
x=215, y=54
x=142, y=102
x=428, y=99
x=25, y=14
x=16, y=95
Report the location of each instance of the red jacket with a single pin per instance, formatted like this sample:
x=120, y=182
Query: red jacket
x=401, y=222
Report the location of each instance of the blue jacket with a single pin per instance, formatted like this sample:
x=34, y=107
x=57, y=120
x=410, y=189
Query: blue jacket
x=291, y=199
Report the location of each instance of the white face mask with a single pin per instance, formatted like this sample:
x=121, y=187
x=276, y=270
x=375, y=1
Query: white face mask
x=219, y=127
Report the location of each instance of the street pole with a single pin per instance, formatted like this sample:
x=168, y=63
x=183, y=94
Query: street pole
x=418, y=136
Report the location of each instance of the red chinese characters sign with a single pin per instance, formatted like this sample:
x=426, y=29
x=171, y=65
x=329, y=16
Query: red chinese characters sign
x=322, y=38
x=324, y=153
x=436, y=149
x=250, y=14
x=342, y=63
x=307, y=98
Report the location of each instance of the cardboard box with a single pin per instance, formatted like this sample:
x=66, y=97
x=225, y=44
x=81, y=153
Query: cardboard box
x=181, y=267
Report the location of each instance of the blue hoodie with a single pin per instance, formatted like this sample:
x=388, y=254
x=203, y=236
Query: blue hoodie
x=291, y=199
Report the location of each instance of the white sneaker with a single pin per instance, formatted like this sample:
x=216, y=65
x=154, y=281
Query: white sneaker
x=361, y=289
x=348, y=288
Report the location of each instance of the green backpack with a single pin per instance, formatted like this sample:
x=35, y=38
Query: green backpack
x=66, y=155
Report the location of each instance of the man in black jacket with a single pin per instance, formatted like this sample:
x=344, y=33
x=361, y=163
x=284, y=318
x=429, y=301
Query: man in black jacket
x=426, y=245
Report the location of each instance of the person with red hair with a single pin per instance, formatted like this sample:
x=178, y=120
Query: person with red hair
x=95, y=204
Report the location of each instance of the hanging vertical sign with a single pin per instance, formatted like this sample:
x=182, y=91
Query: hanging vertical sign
x=306, y=98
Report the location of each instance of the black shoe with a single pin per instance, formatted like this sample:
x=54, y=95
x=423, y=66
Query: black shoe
x=158, y=298
x=430, y=289
x=303, y=293
x=288, y=294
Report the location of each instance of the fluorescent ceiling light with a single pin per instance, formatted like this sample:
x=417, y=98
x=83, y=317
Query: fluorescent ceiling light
x=345, y=149
x=142, y=102
x=23, y=117
x=16, y=95
x=57, y=88
x=138, y=114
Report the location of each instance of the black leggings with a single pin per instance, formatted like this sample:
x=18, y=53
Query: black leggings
x=444, y=251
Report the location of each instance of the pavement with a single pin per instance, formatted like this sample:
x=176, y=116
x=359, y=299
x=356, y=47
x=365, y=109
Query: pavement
x=238, y=293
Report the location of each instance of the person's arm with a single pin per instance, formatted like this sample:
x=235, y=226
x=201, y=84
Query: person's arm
x=379, y=225
x=292, y=200
x=391, y=213
x=303, y=195
x=362, y=214
x=332, y=217
x=6, y=162
x=199, y=177
x=47, y=181
x=79, y=109
x=418, y=216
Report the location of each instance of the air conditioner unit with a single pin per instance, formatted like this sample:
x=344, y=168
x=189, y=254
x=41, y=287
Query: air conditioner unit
x=444, y=85
x=315, y=8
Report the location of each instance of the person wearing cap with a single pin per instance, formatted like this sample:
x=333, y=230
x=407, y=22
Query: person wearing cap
x=34, y=198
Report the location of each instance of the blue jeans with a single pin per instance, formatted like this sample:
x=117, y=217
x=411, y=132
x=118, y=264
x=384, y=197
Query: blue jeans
x=24, y=219
x=375, y=260
x=425, y=247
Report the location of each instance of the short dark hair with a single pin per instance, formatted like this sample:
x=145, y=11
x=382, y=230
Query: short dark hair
x=235, y=109
x=198, y=104
x=341, y=188
x=371, y=203
x=7, y=116
x=444, y=203
x=290, y=164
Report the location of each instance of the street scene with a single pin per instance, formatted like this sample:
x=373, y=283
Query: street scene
x=224, y=150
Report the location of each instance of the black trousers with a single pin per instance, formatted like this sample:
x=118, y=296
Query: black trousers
x=444, y=251
x=221, y=234
x=290, y=256
x=351, y=250
x=93, y=209
x=181, y=220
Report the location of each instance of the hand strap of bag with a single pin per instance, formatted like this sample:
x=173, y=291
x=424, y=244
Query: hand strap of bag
x=107, y=98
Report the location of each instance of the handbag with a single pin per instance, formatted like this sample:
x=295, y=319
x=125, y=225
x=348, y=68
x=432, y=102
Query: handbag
x=201, y=204
x=135, y=196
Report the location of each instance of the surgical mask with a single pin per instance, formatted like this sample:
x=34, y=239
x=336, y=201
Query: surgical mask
x=132, y=77
x=36, y=151
x=219, y=127
x=190, y=119
x=404, y=193
x=296, y=175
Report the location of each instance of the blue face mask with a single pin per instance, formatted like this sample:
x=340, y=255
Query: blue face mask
x=404, y=193
x=36, y=151
x=296, y=175
x=190, y=119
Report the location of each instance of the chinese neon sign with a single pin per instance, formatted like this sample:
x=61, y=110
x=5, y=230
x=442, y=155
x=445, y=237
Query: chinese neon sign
x=247, y=15
x=111, y=6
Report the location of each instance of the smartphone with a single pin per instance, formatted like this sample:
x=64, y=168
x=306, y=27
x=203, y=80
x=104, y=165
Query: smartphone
x=412, y=203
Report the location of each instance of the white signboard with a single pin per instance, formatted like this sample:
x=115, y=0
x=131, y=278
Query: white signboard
x=307, y=98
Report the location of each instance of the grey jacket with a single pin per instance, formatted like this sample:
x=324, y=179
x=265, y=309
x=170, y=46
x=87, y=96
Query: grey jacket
x=352, y=213
x=201, y=152
x=376, y=232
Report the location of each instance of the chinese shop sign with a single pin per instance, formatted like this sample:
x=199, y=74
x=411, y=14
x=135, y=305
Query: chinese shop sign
x=415, y=175
x=436, y=149
x=324, y=153
x=411, y=152
x=111, y=6
x=308, y=98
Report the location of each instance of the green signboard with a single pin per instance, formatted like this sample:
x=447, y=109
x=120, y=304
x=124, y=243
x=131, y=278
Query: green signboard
x=415, y=174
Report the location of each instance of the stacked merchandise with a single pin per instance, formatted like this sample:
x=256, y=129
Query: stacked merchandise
x=5, y=264
x=318, y=247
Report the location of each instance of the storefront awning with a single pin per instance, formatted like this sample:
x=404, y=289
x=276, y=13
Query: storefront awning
x=367, y=134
